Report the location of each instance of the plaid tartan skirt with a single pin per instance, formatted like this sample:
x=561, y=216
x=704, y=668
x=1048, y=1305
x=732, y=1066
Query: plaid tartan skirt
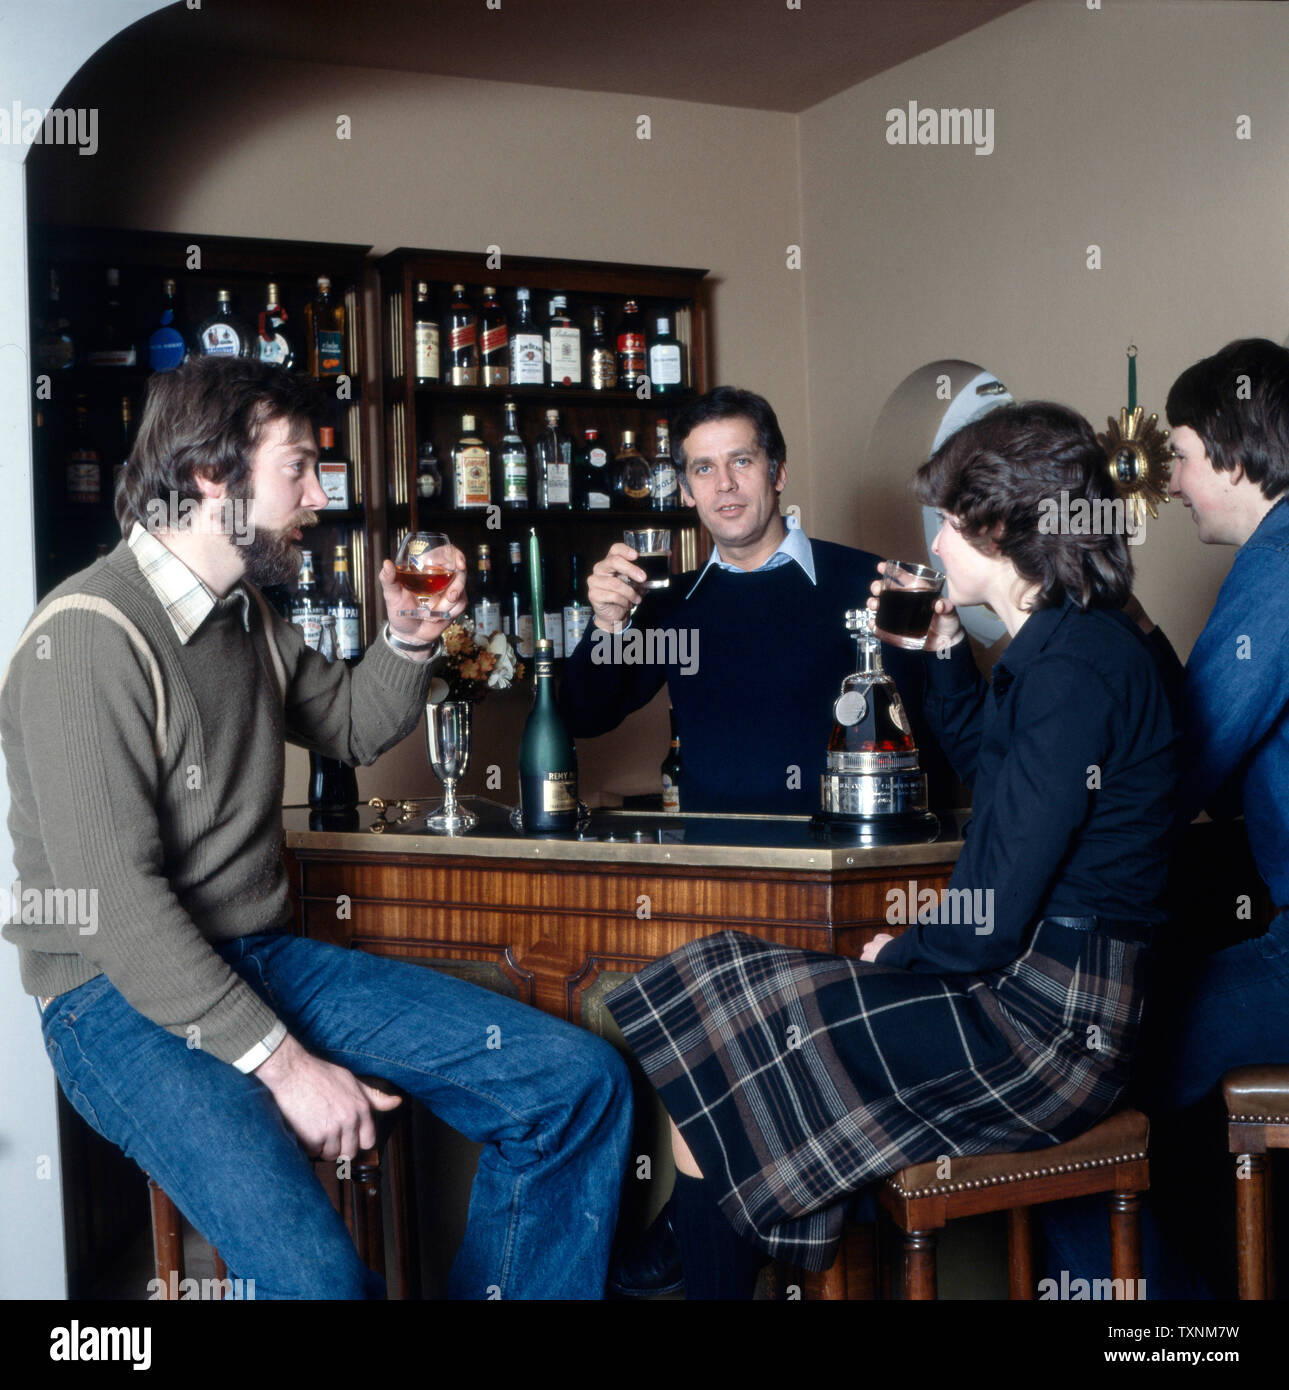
x=798, y=1078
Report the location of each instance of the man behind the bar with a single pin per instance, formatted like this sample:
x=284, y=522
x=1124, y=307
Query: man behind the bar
x=754, y=645
x=143, y=718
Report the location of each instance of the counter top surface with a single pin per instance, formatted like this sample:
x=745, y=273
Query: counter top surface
x=629, y=837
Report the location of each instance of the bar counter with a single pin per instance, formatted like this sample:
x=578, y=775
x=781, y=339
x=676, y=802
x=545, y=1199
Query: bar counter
x=558, y=922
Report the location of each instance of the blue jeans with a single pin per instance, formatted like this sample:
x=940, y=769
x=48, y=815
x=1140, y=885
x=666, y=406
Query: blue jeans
x=550, y=1102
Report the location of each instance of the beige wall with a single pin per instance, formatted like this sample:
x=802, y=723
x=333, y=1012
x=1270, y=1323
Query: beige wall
x=247, y=149
x=1115, y=127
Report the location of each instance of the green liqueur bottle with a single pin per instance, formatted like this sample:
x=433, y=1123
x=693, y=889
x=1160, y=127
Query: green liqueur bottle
x=547, y=759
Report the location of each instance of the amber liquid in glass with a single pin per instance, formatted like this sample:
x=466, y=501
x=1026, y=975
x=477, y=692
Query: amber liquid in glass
x=427, y=582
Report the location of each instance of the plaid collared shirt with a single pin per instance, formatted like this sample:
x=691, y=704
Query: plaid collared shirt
x=186, y=598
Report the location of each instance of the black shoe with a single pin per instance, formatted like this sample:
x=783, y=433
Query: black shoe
x=650, y=1264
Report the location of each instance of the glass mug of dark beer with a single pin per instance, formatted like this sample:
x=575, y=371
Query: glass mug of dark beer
x=653, y=554
x=426, y=568
x=906, y=605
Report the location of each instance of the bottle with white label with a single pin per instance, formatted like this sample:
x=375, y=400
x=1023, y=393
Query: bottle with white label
x=552, y=617
x=471, y=469
x=592, y=475
x=273, y=343
x=344, y=608
x=662, y=482
x=307, y=610
x=486, y=604
x=563, y=345
x=527, y=345
x=333, y=471
x=666, y=361
x=514, y=460
x=577, y=612
x=554, y=466
x=113, y=343
x=224, y=334
x=425, y=337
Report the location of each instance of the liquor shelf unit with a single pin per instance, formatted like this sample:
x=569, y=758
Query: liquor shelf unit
x=433, y=410
x=68, y=530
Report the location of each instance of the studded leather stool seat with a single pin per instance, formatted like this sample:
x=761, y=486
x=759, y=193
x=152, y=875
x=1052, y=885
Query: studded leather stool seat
x=1257, y=1121
x=357, y=1198
x=1109, y=1158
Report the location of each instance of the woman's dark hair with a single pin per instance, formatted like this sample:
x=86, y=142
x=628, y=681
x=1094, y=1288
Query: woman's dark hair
x=1028, y=482
x=206, y=417
x=1237, y=401
x=728, y=403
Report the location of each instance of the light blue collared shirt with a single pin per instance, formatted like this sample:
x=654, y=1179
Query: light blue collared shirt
x=794, y=546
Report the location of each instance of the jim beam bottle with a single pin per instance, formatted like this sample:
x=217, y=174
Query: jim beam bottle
x=564, y=345
x=631, y=347
x=344, y=608
x=632, y=476
x=461, y=365
x=324, y=322
x=334, y=472
x=547, y=758
x=486, y=601
x=664, y=495
x=527, y=345
x=601, y=360
x=471, y=469
x=671, y=771
x=273, y=342
x=425, y=333
x=224, y=334
x=494, y=344
x=514, y=460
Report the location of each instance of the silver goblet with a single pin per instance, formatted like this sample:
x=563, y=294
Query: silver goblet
x=447, y=741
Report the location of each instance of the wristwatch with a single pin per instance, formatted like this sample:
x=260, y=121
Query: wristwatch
x=400, y=645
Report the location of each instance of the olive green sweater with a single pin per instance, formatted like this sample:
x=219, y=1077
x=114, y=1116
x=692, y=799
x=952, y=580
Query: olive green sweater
x=149, y=773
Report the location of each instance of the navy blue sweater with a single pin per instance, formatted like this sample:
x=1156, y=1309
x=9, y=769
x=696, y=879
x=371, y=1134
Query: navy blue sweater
x=765, y=654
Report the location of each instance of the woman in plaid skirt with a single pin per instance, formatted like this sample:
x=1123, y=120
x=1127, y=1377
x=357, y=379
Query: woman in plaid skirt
x=794, y=1079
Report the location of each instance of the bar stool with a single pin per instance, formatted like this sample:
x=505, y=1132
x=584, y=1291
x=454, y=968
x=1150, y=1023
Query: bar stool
x=1110, y=1157
x=357, y=1198
x=1257, y=1121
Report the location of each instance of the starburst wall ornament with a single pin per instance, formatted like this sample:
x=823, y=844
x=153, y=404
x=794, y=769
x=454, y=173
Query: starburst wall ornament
x=1138, y=454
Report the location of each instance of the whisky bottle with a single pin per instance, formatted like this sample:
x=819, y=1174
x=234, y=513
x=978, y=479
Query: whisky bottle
x=83, y=473
x=461, y=364
x=224, y=334
x=632, y=476
x=307, y=609
x=547, y=758
x=631, y=346
x=273, y=343
x=494, y=345
x=514, y=460
x=55, y=348
x=601, y=360
x=527, y=345
x=113, y=342
x=664, y=495
x=592, y=481
x=564, y=345
x=344, y=608
x=554, y=466
x=486, y=605
x=577, y=612
x=168, y=345
x=517, y=609
x=324, y=324
x=334, y=472
x=426, y=337
x=666, y=361
x=471, y=468
x=671, y=771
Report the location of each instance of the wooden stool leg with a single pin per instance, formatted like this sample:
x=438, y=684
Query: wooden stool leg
x=1020, y=1254
x=919, y=1265
x=1125, y=1241
x=396, y=1163
x=1252, y=1245
x=167, y=1240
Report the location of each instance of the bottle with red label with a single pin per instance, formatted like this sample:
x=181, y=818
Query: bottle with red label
x=84, y=468
x=631, y=347
x=461, y=362
x=494, y=341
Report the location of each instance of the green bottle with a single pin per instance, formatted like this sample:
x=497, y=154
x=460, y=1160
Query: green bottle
x=547, y=758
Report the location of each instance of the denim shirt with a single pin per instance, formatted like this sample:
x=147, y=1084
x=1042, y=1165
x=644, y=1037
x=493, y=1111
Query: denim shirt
x=1236, y=700
x=1071, y=755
